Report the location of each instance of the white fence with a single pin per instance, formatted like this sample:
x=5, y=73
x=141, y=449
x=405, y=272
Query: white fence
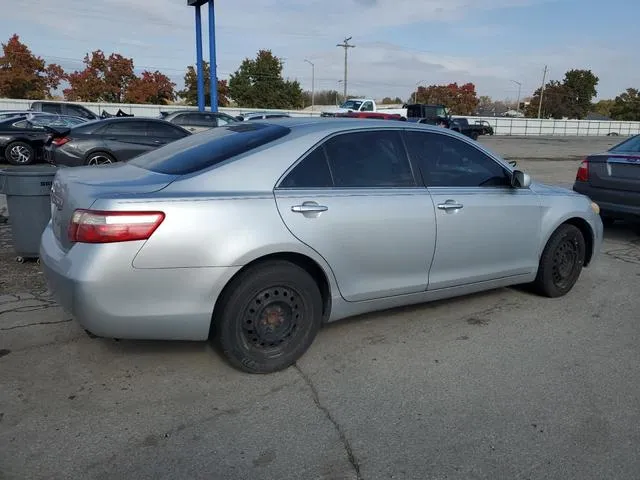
x=501, y=125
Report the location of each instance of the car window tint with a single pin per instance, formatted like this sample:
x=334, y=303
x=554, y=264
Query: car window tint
x=81, y=112
x=369, y=159
x=51, y=108
x=629, y=145
x=446, y=161
x=312, y=172
x=197, y=152
x=20, y=124
x=164, y=131
x=126, y=128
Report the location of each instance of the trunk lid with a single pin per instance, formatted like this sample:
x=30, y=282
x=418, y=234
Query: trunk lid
x=80, y=187
x=615, y=171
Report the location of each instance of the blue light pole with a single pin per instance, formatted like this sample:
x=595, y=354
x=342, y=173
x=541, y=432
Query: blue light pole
x=213, y=77
x=212, y=54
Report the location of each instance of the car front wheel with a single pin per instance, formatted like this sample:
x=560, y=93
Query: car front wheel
x=268, y=317
x=561, y=262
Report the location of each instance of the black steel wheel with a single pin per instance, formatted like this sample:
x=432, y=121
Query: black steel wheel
x=268, y=317
x=561, y=261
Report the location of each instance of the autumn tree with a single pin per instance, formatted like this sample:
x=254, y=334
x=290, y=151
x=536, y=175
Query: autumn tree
x=190, y=92
x=151, y=87
x=24, y=75
x=104, y=79
x=258, y=83
x=391, y=101
x=460, y=99
x=626, y=106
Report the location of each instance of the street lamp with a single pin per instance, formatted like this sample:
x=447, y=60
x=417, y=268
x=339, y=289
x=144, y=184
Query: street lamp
x=519, y=87
x=313, y=83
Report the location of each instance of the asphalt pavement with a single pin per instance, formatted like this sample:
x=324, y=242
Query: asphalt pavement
x=498, y=385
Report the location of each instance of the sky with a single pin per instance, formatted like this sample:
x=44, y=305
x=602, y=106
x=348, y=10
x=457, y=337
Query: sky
x=398, y=43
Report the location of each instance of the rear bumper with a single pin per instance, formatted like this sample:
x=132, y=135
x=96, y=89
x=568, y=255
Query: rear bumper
x=57, y=156
x=611, y=202
x=99, y=287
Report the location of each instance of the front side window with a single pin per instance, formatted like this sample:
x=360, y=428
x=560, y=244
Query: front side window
x=127, y=129
x=369, y=159
x=445, y=161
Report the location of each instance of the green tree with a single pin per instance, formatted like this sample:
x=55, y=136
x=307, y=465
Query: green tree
x=626, y=106
x=580, y=88
x=603, y=107
x=190, y=92
x=555, y=102
x=258, y=83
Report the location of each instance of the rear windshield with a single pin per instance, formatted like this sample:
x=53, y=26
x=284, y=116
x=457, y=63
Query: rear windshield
x=630, y=145
x=203, y=150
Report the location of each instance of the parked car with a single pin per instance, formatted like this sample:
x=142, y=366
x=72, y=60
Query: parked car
x=612, y=179
x=196, y=121
x=64, y=108
x=255, y=234
x=487, y=129
x=109, y=141
x=261, y=116
x=375, y=115
x=22, y=137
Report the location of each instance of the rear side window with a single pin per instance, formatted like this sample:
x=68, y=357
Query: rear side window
x=630, y=145
x=197, y=152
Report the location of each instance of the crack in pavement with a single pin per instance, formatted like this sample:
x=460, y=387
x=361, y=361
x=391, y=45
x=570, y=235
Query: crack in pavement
x=343, y=438
x=55, y=322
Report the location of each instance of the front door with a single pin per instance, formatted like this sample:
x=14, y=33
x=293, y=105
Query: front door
x=355, y=201
x=486, y=229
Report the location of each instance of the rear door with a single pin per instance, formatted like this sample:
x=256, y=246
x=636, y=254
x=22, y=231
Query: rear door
x=355, y=201
x=162, y=133
x=127, y=139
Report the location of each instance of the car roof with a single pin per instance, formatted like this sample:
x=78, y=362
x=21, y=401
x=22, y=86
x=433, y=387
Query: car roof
x=340, y=124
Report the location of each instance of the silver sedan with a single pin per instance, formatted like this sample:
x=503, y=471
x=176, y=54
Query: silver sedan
x=255, y=234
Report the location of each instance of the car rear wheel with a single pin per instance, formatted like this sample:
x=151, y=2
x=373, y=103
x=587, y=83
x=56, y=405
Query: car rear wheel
x=99, y=158
x=19, y=153
x=561, y=262
x=268, y=317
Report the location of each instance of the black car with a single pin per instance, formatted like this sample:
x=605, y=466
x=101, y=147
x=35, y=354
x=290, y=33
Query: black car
x=22, y=137
x=612, y=180
x=110, y=140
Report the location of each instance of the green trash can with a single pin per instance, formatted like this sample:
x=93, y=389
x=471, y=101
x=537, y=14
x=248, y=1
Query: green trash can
x=28, y=191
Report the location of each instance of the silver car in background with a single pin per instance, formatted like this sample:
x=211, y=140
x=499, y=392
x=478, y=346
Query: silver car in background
x=255, y=234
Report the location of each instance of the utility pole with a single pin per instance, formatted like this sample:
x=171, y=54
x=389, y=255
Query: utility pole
x=313, y=83
x=346, y=47
x=519, y=87
x=544, y=78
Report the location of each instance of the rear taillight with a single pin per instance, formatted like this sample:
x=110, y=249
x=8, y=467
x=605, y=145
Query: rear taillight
x=583, y=171
x=94, y=226
x=58, y=142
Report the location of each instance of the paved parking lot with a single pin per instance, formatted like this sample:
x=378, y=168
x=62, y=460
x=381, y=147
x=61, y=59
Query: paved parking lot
x=499, y=385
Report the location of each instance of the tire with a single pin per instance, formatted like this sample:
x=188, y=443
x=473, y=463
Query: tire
x=474, y=135
x=99, y=158
x=261, y=296
x=561, y=262
x=19, y=153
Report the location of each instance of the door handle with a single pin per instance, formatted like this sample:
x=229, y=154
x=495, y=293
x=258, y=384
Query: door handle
x=450, y=205
x=309, y=208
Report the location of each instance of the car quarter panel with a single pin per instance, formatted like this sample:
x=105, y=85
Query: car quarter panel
x=560, y=205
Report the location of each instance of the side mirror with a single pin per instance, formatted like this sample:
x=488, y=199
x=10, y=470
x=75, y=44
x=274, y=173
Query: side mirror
x=520, y=179
x=513, y=163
